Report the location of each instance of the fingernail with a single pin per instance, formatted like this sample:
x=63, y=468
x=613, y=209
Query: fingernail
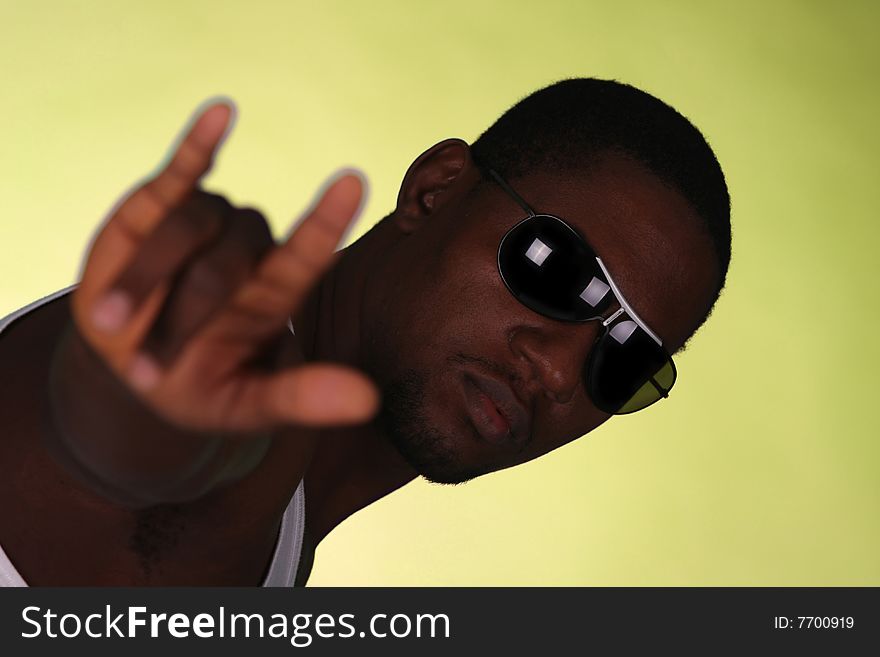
x=111, y=312
x=143, y=373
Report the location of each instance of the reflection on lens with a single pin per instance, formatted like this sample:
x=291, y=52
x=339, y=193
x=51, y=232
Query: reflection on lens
x=665, y=378
x=651, y=391
x=624, y=377
x=645, y=396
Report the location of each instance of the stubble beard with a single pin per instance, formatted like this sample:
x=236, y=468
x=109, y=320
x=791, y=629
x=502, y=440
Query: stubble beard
x=404, y=421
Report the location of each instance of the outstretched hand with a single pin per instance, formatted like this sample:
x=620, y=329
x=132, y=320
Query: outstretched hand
x=182, y=294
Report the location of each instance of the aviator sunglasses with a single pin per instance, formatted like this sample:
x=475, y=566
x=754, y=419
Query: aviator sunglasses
x=551, y=269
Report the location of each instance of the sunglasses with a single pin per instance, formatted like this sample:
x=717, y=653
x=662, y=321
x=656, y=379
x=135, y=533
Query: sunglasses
x=551, y=269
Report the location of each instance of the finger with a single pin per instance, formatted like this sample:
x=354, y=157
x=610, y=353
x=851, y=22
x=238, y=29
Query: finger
x=297, y=264
x=188, y=164
x=288, y=273
x=186, y=231
x=316, y=395
x=138, y=213
x=208, y=283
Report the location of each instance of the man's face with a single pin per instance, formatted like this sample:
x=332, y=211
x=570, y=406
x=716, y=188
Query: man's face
x=448, y=334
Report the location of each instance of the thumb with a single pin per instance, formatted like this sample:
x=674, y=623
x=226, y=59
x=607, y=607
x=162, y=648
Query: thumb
x=321, y=395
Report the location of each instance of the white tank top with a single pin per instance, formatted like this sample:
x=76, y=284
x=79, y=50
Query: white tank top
x=288, y=548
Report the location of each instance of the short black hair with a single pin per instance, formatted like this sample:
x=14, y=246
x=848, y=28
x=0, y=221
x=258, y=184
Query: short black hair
x=566, y=125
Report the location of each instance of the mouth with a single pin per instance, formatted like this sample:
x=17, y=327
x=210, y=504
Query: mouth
x=495, y=411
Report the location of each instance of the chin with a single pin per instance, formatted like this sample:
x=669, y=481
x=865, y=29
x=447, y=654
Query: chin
x=434, y=468
x=446, y=473
x=434, y=454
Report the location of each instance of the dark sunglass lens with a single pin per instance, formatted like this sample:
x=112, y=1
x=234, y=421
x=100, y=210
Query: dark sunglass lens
x=628, y=370
x=550, y=269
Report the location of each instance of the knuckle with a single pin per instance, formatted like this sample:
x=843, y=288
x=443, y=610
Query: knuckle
x=325, y=229
x=138, y=211
x=252, y=216
x=209, y=279
x=135, y=281
x=188, y=161
x=162, y=191
x=209, y=199
x=302, y=270
x=252, y=225
x=193, y=222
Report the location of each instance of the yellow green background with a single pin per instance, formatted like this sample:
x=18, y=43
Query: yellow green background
x=762, y=469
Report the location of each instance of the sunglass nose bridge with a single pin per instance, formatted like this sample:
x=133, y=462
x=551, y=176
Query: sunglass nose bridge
x=617, y=313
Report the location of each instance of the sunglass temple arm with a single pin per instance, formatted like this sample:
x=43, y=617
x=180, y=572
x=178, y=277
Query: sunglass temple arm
x=507, y=188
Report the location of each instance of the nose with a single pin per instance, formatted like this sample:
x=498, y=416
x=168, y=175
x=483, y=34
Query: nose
x=554, y=357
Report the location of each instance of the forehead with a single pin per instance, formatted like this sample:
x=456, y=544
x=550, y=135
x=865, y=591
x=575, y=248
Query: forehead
x=646, y=233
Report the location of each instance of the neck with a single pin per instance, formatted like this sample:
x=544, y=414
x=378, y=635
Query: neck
x=352, y=466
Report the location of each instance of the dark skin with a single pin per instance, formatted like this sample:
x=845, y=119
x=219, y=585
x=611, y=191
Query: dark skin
x=397, y=305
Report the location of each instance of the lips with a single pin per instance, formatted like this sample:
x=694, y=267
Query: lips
x=495, y=411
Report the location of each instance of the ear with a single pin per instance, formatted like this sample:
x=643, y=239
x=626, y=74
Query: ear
x=443, y=172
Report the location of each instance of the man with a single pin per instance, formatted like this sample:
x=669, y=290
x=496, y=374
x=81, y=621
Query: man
x=206, y=406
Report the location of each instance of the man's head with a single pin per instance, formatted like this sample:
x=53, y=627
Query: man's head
x=631, y=175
